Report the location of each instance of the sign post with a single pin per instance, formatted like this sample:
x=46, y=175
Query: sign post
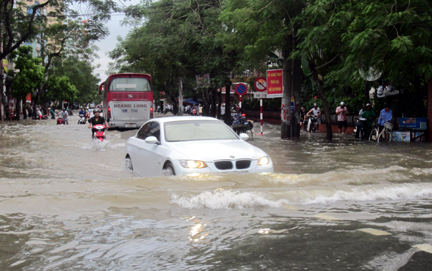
x=261, y=85
x=241, y=89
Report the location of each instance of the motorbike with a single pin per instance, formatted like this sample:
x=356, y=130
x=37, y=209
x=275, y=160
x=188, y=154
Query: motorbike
x=99, y=132
x=359, y=131
x=13, y=116
x=60, y=121
x=241, y=124
x=312, y=122
x=82, y=119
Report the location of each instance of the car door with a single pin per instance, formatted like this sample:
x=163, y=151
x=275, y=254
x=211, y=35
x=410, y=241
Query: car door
x=148, y=155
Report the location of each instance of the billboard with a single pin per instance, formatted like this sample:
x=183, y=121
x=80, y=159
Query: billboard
x=274, y=83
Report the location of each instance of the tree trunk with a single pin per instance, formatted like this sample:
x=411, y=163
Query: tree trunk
x=319, y=81
x=180, y=112
x=287, y=84
x=219, y=94
x=18, y=109
x=213, y=102
x=227, y=117
x=24, y=110
x=206, y=103
x=296, y=92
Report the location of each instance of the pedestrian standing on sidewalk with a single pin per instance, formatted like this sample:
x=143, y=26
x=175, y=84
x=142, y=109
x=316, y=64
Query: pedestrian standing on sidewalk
x=342, y=113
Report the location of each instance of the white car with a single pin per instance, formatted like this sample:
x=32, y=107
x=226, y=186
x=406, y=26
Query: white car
x=187, y=145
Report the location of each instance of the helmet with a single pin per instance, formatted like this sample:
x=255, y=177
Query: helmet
x=96, y=111
x=342, y=103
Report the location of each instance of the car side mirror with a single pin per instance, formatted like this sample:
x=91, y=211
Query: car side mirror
x=244, y=136
x=151, y=140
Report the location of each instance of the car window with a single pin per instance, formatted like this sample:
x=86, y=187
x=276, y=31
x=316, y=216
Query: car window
x=149, y=129
x=154, y=130
x=197, y=130
x=144, y=131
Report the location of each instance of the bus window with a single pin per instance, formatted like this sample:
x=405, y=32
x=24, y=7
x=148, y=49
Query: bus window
x=130, y=84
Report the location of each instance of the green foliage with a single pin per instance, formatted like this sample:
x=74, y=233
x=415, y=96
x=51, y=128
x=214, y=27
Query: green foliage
x=30, y=72
x=80, y=75
x=60, y=88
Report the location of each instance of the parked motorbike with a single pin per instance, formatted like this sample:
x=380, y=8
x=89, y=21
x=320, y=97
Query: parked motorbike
x=82, y=119
x=312, y=122
x=13, y=116
x=99, y=132
x=60, y=120
x=359, y=131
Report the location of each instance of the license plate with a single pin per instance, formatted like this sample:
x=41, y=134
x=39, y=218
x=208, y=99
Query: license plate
x=130, y=125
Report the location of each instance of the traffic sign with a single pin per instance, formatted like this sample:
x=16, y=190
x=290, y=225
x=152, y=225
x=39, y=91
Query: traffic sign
x=260, y=84
x=260, y=95
x=274, y=83
x=241, y=89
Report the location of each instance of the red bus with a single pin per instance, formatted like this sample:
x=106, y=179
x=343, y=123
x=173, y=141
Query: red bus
x=127, y=99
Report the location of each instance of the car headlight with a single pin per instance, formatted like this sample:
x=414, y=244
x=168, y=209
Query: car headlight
x=263, y=161
x=193, y=164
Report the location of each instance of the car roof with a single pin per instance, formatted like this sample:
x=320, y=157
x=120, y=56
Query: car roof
x=182, y=118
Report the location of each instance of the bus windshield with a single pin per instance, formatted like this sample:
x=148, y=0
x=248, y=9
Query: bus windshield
x=129, y=84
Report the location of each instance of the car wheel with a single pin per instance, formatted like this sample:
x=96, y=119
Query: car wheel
x=168, y=170
x=128, y=162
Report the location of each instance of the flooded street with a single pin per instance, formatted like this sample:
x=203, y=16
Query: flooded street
x=67, y=203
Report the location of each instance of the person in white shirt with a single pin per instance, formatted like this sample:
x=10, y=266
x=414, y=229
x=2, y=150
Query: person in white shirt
x=380, y=89
x=316, y=112
x=64, y=115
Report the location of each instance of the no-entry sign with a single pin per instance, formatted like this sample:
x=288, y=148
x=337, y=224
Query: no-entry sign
x=241, y=89
x=274, y=83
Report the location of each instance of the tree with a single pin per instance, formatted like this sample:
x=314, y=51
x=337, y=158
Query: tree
x=80, y=75
x=60, y=88
x=30, y=74
x=178, y=41
x=263, y=29
x=344, y=39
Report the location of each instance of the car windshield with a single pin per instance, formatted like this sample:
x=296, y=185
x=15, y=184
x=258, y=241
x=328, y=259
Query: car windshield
x=191, y=130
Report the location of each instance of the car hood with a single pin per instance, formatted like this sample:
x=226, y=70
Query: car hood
x=216, y=150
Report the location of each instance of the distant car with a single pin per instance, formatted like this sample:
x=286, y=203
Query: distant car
x=186, y=145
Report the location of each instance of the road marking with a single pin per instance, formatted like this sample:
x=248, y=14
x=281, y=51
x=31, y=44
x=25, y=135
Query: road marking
x=374, y=231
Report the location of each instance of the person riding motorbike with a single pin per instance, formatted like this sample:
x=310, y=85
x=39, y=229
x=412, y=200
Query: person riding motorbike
x=97, y=119
x=316, y=112
x=82, y=111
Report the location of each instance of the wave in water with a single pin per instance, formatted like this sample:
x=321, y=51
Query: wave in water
x=229, y=199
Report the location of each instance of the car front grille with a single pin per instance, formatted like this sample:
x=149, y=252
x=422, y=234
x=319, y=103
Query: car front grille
x=242, y=164
x=224, y=165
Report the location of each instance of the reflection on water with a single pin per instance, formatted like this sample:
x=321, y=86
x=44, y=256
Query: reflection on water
x=66, y=203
